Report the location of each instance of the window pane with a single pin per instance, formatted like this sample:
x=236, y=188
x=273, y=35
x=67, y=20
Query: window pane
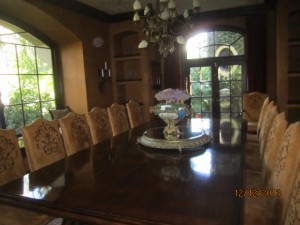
x=224, y=88
x=205, y=73
x=9, y=88
x=32, y=111
x=46, y=87
x=223, y=72
x=8, y=59
x=239, y=46
x=206, y=105
x=196, y=104
x=195, y=89
x=194, y=74
x=236, y=88
x=45, y=109
x=44, y=61
x=236, y=104
x=215, y=44
x=13, y=117
x=236, y=72
x=226, y=37
x=26, y=59
x=206, y=89
x=23, y=58
x=29, y=87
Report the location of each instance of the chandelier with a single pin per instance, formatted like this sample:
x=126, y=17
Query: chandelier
x=163, y=25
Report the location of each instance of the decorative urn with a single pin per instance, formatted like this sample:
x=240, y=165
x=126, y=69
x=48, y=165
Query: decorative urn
x=171, y=110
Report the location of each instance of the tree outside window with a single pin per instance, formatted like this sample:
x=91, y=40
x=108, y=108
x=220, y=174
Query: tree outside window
x=26, y=77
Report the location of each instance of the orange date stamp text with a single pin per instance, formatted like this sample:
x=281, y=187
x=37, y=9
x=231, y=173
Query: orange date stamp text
x=241, y=193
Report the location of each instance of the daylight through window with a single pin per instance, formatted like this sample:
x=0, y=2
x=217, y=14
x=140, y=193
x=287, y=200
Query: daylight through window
x=26, y=77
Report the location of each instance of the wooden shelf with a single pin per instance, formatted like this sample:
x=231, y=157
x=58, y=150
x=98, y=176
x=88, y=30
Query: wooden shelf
x=125, y=81
x=127, y=57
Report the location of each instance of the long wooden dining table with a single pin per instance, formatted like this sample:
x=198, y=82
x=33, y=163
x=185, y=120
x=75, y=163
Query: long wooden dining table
x=120, y=181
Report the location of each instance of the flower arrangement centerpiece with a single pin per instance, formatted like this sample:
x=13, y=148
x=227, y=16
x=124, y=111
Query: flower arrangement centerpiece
x=171, y=109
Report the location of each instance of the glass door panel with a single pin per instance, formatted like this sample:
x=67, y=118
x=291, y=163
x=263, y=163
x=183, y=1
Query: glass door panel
x=200, y=88
x=216, y=90
x=230, y=90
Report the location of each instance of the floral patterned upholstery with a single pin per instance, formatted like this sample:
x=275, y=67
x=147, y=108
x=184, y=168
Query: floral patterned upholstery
x=135, y=113
x=118, y=118
x=252, y=105
x=270, y=114
x=76, y=133
x=12, y=167
x=99, y=124
x=287, y=163
x=272, y=146
x=293, y=212
x=43, y=143
x=272, y=210
x=11, y=161
x=262, y=114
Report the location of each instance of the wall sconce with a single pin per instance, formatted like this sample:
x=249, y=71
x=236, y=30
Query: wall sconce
x=105, y=76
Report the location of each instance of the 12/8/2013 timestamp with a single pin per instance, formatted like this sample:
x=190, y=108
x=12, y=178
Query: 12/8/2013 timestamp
x=241, y=193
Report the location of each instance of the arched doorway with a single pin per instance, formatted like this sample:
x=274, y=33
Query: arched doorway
x=215, y=73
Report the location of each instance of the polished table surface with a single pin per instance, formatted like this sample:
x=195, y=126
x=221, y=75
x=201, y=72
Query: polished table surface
x=122, y=182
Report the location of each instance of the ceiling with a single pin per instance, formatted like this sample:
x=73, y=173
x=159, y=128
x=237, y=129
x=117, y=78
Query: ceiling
x=115, y=7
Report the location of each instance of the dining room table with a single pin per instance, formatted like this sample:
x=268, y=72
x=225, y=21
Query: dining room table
x=124, y=181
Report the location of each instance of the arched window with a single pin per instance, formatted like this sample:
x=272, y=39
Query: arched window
x=215, y=44
x=216, y=73
x=26, y=77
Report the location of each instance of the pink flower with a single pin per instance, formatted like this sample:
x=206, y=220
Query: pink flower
x=172, y=95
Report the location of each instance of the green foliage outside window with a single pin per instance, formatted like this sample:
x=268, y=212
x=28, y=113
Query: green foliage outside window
x=28, y=82
x=210, y=45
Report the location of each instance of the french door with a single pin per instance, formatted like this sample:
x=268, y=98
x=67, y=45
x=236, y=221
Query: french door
x=216, y=86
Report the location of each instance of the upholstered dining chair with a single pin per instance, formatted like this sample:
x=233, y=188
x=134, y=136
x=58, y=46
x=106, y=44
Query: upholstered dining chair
x=59, y=113
x=262, y=114
x=275, y=136
x=12, y=167
x=135, y=113
x=43, y=143
x=292, y=216
x=270, y=114
x=99, y=124
x=118, y=118
x=252, y=105
x=254, y=148
x=75, y=132
x=288, y=160
x=254, y=137
x=272, y=209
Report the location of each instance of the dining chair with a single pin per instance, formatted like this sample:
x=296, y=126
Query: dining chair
x=275, y=136
x=59, y=113
x=75, y=132
x=272, y=209
x=262, y=114
x=99, y=124
x=135, y=113
x=43, y=143
x=118, y=118
x=255, y=145
x=253, y=137
x=292, y=216
x=252, y=105
x=271, y=112
x=288, y=160
x=12, y=167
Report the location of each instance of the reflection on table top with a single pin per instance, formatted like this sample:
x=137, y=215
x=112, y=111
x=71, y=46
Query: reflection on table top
x=116, y=181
